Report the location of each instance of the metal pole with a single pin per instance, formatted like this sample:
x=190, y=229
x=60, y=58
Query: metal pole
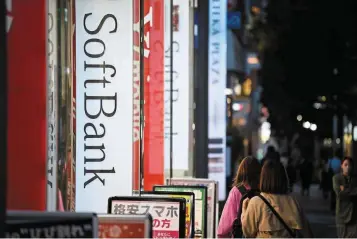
x=201, y=92
x=142, y=95
x=171, y=90
x=3, y=121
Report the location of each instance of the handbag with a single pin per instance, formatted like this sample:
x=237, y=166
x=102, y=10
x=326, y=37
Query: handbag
x=293, y=233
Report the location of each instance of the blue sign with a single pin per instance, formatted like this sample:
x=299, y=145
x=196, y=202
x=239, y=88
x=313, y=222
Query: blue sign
x=234, y=20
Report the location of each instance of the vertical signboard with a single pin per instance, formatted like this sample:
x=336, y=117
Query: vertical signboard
x=217, y=70
x=52, y=106
x=168, y=214
x=180, y=86
x=200, y=205
x=212, y=201
x=27, y=101
x=153, y=93
x=104, y=100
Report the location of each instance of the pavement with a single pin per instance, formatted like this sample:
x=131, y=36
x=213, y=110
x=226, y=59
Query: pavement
x=317, y=211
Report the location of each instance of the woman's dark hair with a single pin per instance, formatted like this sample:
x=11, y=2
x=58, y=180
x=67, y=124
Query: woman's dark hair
x=248, y=173
x=273, y=178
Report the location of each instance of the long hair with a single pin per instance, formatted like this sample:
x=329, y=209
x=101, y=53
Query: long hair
x=248, y=173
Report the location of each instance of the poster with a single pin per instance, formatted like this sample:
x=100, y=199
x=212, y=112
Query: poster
x=168, y=214
x=30, y=224
x=200, y=205
x=212, y=201
x=104, y=102
x=190, y=200
x=128, y=226
x=217, y=81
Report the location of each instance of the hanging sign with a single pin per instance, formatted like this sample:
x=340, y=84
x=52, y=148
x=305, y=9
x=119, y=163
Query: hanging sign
x=200, y=205
x=125, y=226
x=212, y=199
x=217, y=81
x=168, y=214
x=104, y=101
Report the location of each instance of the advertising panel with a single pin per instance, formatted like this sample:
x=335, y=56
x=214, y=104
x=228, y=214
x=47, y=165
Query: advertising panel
x=200, y=205
x=52, y=106
x=190, y=206
x=31, y=224
x=168, y=214
x=125, y=226
x=104, y=97
x=212, y=199
x=217, y=57
x=180, y=85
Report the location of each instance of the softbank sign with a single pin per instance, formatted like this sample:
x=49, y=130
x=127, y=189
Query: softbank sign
x=104, y=116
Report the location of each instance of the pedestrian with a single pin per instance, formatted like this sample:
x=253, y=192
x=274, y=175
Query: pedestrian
x=271, y=154
x=291, y=171
x=326, y=180
x=334, y=165
x=246, y=181
x=274, y=213
x=345, y=187
x=306, y=171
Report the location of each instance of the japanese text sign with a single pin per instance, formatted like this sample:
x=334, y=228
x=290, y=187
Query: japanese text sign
x=168, y=214
x=190, y=200
x=125, y=226
x=200, y=205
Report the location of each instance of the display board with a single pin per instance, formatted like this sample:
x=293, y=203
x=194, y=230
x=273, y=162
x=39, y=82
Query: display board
x=190, y=206
x=29, y=224
x=212, y=199
x=168, y=214
x=200, y=204
x=125, y=226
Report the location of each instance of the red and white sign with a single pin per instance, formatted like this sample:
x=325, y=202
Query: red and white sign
x=153, y=53
x=166, y=215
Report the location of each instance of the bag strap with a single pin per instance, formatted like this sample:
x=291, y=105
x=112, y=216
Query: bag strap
x=292, y=234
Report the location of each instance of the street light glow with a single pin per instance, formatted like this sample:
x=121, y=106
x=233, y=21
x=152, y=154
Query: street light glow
x=306, y=125
x=299, y=118
x=313, y=127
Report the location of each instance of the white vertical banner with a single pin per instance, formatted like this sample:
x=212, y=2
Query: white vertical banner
x=104, y=103
x=181, y=79
x=217, y=71
x=52, y=105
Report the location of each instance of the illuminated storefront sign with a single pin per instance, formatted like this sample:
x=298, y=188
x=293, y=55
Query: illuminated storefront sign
x=216, y=93
x=104, y=102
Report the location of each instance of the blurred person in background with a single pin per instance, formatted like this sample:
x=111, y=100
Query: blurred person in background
x=306, y=171
x=274, y=213
x=246, y=180
x=334, y=167
x=271, y=154
x=345, y=187
x=326, y=180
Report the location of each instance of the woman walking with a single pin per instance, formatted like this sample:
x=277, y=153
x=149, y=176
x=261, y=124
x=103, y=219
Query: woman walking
x=246, y=180
x=274, y=213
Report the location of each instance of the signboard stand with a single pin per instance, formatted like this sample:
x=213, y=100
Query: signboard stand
x=169, y=214
x=200, y=205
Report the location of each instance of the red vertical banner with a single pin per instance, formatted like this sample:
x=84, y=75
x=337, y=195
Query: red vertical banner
x=153, y=144
x=27, y=86
x=154, y=94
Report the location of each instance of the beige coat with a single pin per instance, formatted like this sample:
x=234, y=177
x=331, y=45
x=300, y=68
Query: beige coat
x=259, y=221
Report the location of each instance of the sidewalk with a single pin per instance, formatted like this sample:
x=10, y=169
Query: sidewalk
x=317, y=211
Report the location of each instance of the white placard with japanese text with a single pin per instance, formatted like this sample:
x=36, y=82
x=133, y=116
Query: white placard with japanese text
x=165, y=215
